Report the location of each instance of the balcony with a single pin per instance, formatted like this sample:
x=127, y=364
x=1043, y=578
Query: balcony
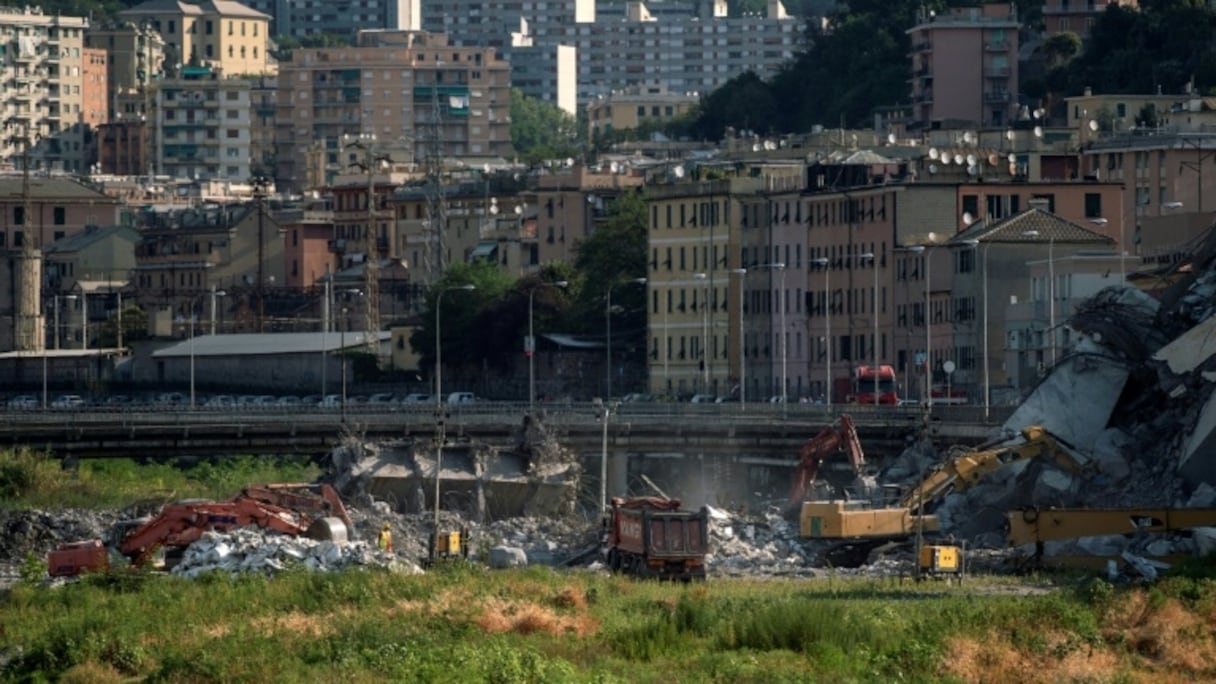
x=996, y=46
x=996, y=97
x=996, y=72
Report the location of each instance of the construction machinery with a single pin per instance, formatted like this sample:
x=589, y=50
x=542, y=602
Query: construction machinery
x=290, y=509
x=837, y=439
x=874, y=385
x=860, y=528
x=1036, y=526
x=651, y=537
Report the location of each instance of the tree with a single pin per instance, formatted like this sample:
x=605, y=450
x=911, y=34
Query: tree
x=502, y=324
x=461, y=315
x=1061, y=48
x=615, y=252
x=134, y=328
x=541, y=131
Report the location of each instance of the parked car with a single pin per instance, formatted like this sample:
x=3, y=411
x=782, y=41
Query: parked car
x=23, y=401
x=703, y=399
x=171, y=398
x=220, y=401
x=381, y=399
x=416, y=398
x=462, y=398
x=67, y=401
x=637, y=397
x=288, y=400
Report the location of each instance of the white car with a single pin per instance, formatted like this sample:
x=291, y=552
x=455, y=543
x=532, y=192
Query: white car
x=25, y=401
x=703, y=399
x=68, y=401
x=462, y=398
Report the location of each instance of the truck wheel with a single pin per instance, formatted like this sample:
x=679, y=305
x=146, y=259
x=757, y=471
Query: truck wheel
x=614, y=560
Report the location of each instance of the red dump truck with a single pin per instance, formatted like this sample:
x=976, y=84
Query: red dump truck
x=652, y=537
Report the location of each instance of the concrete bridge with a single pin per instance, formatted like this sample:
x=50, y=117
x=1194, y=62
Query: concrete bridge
x=698, y=449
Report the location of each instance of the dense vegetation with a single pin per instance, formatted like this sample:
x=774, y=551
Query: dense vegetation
x=466, y=624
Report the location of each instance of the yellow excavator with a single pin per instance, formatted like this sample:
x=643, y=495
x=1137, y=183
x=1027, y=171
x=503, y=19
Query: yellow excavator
x=860, y=528
x=1036, y=526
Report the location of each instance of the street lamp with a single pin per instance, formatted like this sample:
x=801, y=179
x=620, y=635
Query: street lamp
x=530, y=344
x=215, y=294
x=869, y=256
x=1051, y=290
x=342, y=357
x=440, y=436
x=608, y=328
x=825, y=264
x=742, y=273
x=606, y=410
x=704, y=278
x=70, y=298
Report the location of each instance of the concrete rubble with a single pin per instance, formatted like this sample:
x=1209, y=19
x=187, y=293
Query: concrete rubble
x=251, y=550
x=1134, y=396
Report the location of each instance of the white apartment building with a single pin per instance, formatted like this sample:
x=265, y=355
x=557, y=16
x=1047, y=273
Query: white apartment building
x=684, y=46
x=41, y=103
x=202, y=125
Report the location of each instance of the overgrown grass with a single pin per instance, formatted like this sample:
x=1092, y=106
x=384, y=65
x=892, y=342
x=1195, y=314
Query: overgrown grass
x=465, y=624
x=31, y=479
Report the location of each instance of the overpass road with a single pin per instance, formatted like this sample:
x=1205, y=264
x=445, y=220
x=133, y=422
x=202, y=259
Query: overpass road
x=764, y=430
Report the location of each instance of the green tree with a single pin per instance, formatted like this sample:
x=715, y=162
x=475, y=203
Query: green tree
x=502, y=324
x=1061, y=48
x=460, y=336
x=134, y=328
x=541, y=131
x=614, y=253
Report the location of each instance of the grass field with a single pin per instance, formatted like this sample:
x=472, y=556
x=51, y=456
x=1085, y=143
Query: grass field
x=464, y=623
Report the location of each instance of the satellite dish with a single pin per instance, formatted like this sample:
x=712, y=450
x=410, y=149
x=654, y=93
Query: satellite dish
x=968, y=218
x=973, y=170
x=968, y=137
x=1038, y=131
x=932, y=169
x=971, y=160
x=959, y=159
x=933, y=153
x=614, y=167
x=756, y=147
x=519, y=210
x=993, y=159
x=494, y=209
x=678, y=172
x=1093, y=125
x=485, y=168
x=1013, y=169
x=1009, y=134
x=1011, y=158
x=890, y=138
x=1038, y=113
x=569, y=162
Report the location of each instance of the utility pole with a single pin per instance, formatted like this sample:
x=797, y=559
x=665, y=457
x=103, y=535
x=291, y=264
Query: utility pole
x=259, y=195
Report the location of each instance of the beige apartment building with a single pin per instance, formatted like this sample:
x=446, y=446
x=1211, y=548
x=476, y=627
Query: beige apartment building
x=134, y=55
x=965, y=67
x=43, y=73
x=631, y=107
x=94, y=88
x=419, y=96
x=570, y=202
x=221, y=33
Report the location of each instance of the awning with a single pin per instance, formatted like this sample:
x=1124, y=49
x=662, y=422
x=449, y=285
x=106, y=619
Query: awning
x=483, y=250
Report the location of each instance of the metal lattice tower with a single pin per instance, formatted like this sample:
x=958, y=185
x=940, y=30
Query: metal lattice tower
x=436, y=207
x=371, y=160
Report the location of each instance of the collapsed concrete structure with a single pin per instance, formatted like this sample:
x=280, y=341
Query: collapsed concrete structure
x=1135, y=395
x=534, y=477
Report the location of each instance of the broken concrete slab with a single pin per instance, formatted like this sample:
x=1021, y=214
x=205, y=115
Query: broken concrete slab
x=507, y=557
x=1054, y=402
x=1195, y=459
x=1190, y=350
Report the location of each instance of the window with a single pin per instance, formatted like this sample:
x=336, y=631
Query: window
x=971, y=205
x=209, y=29
x=232, y=133
x=19, y=216
x=60, y=216
x=1093, y=205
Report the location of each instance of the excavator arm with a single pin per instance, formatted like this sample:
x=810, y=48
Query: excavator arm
x=319, y=500
x=964, y=470
x=833, y=439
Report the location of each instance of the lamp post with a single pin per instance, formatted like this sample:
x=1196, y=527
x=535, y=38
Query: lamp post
x=742, y=273
x=608, y=329
x=1051, y=290
x=825, y=264
x=704, y=277
x=215, y=294
x=781, y=335
x=260, y=185
x=530, y=344
x=342, y=357
x=874, y=305
x=439, y=424
x=606, y=410
x=191, y=333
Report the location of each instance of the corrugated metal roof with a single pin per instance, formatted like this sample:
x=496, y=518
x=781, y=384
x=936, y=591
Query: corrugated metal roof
x=261, y=344
x=51, y=188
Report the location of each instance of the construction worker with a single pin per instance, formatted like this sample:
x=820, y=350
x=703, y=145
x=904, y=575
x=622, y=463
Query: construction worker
x=385, y=540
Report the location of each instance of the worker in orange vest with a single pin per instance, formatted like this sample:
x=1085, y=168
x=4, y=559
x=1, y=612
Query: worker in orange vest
x=385, y=540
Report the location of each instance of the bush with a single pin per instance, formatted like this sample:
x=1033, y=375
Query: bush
x=27, y=474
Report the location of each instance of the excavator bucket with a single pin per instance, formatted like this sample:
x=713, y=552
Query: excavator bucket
x=329, y=529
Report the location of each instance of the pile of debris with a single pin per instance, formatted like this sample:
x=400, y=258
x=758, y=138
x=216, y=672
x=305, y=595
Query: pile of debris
x=1135, y=396
x=251, y=550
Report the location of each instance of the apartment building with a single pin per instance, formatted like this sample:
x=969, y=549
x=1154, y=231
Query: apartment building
x=123, y=147
x=62, y=207
x=965, y=67
x=419, y=96
x=224, y=34
x=1078, y=16
x=134, y=56
x=202, y=122
x=299, y=18
x=263, y=94
x=571, y=202
x=686, y=46
x=42, y=101
x=631, y=107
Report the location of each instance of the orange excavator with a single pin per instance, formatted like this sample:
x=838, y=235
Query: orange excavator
x=312, y=510
x=839, y=438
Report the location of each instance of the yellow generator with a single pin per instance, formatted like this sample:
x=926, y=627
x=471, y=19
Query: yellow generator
x=939, y=560
x=449, y=545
